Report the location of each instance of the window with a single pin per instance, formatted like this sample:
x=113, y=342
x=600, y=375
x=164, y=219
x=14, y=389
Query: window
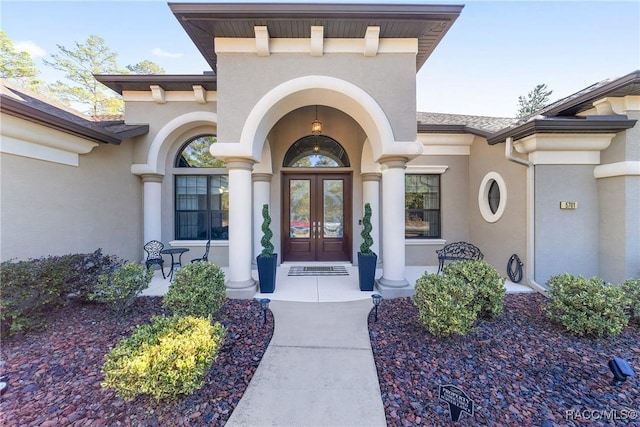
x=422, y=207
x=316, y=152
x=492, y=197
x=202, y=207
x=195, y=154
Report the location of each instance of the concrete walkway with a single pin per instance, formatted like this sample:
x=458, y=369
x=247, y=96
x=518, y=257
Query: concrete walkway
x=317, y=371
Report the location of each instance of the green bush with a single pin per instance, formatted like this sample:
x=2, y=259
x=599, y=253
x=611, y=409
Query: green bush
x=120, y=288
x=486, y=283
x=197, y=290
x=170, y=357
x=586, y=307
x=32, y=288
x=446, y=304
x=631, y=288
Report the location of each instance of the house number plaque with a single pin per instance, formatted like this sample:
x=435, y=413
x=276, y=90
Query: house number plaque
x=568, y=205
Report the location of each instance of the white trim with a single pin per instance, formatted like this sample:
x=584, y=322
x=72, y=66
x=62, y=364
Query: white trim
x=424, y=242
x=371, y=41
x=197, y=243
x=442, y=144
x=262, y=40
x=316, y=44
x=27, y=139
x=483, y=197
x=426, y=169
x=628, y=168
x=564, y=149
x=170, y=96
x=199, y=94
x=158, y=95
x=225, y=45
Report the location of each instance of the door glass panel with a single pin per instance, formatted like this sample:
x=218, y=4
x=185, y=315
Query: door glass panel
x=332, y=194
x=299, y=196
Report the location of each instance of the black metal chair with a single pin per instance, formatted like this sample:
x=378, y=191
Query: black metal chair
x=154, y=256
x=205, y=257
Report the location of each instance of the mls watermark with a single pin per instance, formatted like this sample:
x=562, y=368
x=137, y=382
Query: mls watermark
x=600, y=414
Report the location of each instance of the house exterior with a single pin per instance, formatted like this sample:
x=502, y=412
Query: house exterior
x=561, y=189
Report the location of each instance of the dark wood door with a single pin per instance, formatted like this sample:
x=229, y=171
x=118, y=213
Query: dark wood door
x=316, y=217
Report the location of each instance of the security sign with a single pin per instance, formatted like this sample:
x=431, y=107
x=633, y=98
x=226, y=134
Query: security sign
x=457, y=399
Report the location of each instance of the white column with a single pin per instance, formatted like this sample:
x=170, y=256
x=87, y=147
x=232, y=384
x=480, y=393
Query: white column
x=240, y=284
x=371, y=195
x=261, y=196
x=393, y=223
x=152, y=196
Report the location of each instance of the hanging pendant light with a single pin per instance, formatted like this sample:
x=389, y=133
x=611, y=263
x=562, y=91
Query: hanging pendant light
x=316, y=129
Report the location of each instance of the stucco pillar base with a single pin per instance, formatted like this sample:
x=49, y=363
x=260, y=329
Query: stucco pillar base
x=394, y=288
x=242, y=290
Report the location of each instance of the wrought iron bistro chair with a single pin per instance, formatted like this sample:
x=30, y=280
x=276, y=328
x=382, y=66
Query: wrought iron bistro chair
x=154, y=256
x=205, y=257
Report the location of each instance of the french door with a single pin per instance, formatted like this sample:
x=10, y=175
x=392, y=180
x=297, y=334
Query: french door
x=316, y=216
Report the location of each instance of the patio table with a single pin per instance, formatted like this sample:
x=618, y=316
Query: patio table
x=174, y=263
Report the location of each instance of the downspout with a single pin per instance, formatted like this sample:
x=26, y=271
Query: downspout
x=531, y=218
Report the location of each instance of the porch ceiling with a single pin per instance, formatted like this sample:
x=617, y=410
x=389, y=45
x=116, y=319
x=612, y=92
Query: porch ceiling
x=203, y=22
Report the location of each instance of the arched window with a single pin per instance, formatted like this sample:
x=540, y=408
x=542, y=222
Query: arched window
x=201, y=199
x=316, y=152
x=195, y=154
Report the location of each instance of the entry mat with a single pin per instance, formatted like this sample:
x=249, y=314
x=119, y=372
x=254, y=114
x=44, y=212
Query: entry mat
x=318, y=270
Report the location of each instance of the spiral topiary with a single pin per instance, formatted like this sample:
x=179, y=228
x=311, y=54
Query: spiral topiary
x=367, y=241
x=267, y=234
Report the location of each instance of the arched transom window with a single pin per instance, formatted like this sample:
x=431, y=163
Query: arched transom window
x=316, y=152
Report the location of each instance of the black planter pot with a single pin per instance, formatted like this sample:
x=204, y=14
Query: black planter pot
x=267, y=266
x=367, y=271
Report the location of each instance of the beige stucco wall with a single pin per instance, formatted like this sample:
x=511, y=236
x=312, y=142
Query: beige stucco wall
x=52, y=209
x=507, y=236
x=454, y=208
x=236, y=98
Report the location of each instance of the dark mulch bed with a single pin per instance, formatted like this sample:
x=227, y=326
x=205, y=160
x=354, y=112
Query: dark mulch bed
x=519, y=370
x=54, y=375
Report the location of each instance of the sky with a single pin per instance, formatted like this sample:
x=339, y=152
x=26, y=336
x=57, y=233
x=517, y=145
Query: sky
x=494, y=52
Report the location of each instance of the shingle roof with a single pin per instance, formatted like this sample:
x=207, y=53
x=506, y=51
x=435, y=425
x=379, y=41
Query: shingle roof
x=448, y=123
x=20, y=102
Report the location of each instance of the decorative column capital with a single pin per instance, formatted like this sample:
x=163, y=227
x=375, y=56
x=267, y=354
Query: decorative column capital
x=371, y=176
x=261, y=177
x=395, y=162
x=239, y=163
x=152, y=177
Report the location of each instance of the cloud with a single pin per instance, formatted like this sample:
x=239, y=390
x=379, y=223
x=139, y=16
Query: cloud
x=163, y=54
x=30, y=47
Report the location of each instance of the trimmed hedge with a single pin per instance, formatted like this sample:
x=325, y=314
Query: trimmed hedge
x=446, y=304
x=170, y=357
x=631, y=288
x=120, y=288
x=586, y=307
x=197, y=290
x=487, y=285
x=31, y=288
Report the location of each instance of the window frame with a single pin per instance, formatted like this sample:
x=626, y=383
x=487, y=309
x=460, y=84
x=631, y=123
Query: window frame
x=483, y=197
x=425, y=211
x=208, y=212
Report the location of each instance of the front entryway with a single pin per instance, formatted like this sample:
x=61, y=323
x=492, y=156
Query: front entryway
x=316, y=216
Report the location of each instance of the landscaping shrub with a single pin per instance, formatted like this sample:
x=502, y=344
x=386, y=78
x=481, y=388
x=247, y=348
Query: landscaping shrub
x=487, y=285
x=120, y=288
x=197, y=290
x=86, y=269
x=631, y=288
x=170, y=357
x=446, y=304
x=586, y=307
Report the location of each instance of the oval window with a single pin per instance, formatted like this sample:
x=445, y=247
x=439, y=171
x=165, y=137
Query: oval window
x=492, y=197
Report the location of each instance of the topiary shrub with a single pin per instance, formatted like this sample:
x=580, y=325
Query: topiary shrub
x=170, y=357
x=267, y=234
x=120, y=288
x=446, y=304
x=197, y=290
x=586, y=307
x=487, y=285
x=631, y=288
x=367, y=240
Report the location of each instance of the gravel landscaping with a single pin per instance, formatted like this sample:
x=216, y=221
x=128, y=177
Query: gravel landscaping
x=54, y=375
x=520, y=369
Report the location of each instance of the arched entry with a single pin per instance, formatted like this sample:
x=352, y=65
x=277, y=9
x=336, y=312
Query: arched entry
x=316, y=203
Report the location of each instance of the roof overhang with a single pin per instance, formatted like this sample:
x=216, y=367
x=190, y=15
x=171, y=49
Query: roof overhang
x=451, y=129
x=587, y=125
x=143, y=82
x=204, y=22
